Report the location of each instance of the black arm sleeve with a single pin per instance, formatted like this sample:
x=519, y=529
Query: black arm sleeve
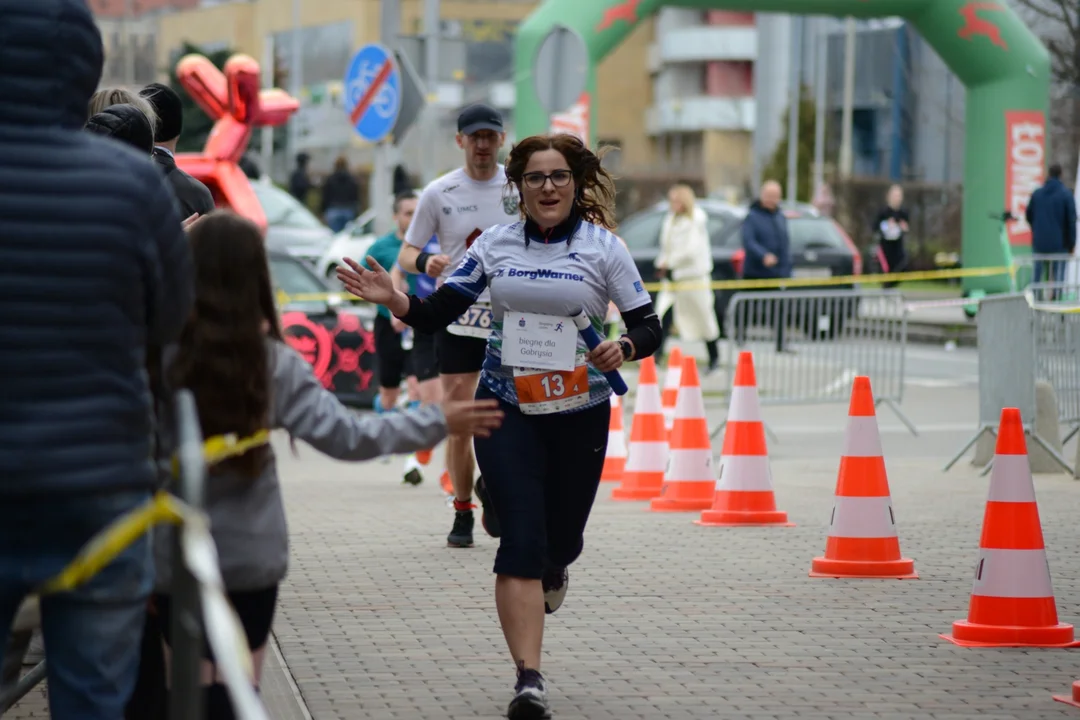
x=437, y=310
x=643, y=329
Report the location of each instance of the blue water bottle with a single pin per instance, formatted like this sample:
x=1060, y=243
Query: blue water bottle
x=592, y=340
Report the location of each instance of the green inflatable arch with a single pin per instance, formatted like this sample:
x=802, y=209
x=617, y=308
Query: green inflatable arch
x=1004, y=67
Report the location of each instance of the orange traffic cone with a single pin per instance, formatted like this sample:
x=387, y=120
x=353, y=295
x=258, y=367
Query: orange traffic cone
x=1073, y=699
x=690, y=482
x=670, y=394
x=862, y=532
x=1012, y=601
x=744, y=494
x=648, y=455
x=615, y=459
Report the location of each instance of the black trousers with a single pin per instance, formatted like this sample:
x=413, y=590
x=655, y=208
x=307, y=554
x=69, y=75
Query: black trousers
x=542, y=473
x=761, y=313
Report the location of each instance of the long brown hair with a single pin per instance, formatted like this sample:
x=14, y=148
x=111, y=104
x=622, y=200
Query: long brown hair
x=222, y=356
x=595, y=188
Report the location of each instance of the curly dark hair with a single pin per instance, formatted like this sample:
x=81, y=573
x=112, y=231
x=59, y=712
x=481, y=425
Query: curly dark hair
x=595, y=188
x=222, y=355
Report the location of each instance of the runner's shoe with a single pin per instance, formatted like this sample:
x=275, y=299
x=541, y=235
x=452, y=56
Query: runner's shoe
x=488, y=518
x=530, y=697
x=555, y=582
x=412, y=475
x=461, y=535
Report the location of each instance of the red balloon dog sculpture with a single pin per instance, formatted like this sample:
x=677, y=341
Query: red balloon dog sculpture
x=236, y=104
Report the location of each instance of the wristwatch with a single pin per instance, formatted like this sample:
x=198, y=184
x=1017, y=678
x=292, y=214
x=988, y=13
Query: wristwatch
x=626, y=347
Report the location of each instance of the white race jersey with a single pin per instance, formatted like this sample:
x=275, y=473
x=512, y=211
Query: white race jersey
x=457, y=209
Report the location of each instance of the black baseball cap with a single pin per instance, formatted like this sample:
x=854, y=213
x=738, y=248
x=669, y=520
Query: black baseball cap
x=479, y=117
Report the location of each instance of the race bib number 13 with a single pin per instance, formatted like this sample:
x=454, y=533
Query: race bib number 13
x=543, y=392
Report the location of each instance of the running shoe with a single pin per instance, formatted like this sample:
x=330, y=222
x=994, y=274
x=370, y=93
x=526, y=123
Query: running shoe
x=461, y=535
x=412, y=475
x=555, y=582
x=530, y=697
x=488, y=518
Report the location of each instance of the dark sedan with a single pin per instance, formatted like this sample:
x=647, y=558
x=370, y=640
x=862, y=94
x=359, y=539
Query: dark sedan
x=330, y=332
x=819, y=246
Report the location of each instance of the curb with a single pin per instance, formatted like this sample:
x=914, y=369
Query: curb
x=938, y=334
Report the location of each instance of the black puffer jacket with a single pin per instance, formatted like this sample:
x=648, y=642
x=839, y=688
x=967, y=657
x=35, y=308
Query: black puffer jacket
x=94, y=267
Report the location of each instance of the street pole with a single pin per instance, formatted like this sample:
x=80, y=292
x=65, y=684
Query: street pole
x=266, y=134
x=129, y=51
x=846, y=160
x=296, y=70
x=430, y=120
x=795, y=82
x=821, y=85
x=384, y=152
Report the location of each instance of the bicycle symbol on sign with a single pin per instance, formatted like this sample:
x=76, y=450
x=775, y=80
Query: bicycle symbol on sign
x=385, y=102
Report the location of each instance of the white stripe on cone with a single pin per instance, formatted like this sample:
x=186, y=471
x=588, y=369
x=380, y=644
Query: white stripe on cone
x=647, y=457
x=862, y=438
x=862, y=517
x=1010, y=480
x=1012, y=574
x=690, y=466
x=616, y=444
x=744, y=405
x=745, y=472
x=690, y=404
x=648, y=401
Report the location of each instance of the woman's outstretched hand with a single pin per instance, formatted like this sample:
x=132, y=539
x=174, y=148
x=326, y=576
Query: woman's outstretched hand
x=472, y=417
x=375, y=285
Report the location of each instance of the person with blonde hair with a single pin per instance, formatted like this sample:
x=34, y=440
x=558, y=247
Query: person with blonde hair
x=105, y=97
x=686, y=257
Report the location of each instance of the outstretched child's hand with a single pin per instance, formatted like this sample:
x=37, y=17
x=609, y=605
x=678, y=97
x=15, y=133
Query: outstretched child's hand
x=472, y=417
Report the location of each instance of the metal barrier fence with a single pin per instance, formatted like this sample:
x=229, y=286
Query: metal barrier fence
x=199, y=602
x=1049, y=278
x=1057, y=359
x=1018, y=346
x=821, y=340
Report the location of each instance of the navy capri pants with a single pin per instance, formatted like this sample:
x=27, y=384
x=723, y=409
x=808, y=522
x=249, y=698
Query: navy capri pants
x=541, y=473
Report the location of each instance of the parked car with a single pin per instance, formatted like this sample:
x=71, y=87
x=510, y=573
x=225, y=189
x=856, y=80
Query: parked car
x=332, y=332
x=819, y=246
x=291, y=227
x=353, y=241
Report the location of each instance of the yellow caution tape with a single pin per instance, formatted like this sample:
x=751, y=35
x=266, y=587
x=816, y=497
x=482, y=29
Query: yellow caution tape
x=813, y=282
x=113, y=540
x=104, y=547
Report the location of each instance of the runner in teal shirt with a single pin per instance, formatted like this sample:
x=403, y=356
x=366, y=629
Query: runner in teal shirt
x=385, y=251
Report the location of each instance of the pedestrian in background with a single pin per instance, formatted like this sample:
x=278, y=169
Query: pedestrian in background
x=340, y=196
x=767, y=244
x=686, y=257
x=94, y=270
x=1051, y=213
x=891, y=226
x=299, y=180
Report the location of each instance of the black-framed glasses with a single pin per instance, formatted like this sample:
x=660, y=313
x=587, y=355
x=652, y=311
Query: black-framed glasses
x=536, y=180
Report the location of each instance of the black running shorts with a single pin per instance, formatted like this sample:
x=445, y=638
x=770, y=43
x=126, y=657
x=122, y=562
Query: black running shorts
x=459, y=355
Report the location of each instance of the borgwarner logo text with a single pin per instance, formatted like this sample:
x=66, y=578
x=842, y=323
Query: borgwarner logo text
x=541, y=274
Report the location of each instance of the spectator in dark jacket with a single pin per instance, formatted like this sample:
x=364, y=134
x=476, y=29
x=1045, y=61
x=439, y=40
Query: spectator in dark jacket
x=1051, y=213
x=94, y=268
x=340, y=196
x=191, y=195
x=125, y=123
x=767, y=246
x=299, y=180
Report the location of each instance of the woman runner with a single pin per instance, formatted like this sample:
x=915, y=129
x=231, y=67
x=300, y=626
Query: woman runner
x=542, y=466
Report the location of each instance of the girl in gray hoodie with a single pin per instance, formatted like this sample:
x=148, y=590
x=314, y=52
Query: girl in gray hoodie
x=232, y=358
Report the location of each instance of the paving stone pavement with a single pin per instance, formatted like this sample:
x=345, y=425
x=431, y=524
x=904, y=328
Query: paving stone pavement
x=664, y=619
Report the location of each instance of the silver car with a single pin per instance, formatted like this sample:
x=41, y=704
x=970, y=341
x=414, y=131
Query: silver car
x=291, y=227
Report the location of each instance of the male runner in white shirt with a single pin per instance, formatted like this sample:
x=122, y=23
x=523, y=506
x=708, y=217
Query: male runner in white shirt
x=458, y=207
